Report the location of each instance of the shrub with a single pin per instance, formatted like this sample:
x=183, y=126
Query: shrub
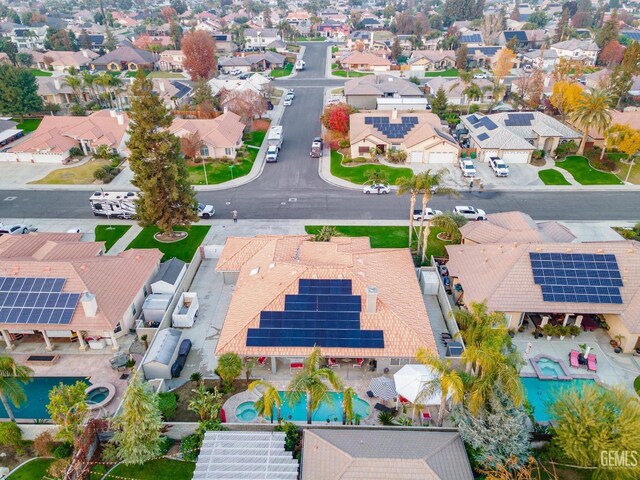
x=10, y=434
x=63, y=450
x=51, y=108
x=167, y=403
x=102, y=152
x=43, y=444
x=537, y=154
x=292, y=435
x=77, y=110
x=195, y=377
x=636, y=384
x=76, y=152
x=165, y=445
x=100, y=173
x=386, y=418
x=474, y=108
x=397, y=156
x=59, y=468
x=344, y=144
x=115, y=161
x=190, y=447
x=566, y=148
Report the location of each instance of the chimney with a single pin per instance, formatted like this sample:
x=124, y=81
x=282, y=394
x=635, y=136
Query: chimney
x=85, y=53
x=120, y=118
x=89, y=304
x=56, y=83
x=371, y=299
x=394, y=114
x=112, y=113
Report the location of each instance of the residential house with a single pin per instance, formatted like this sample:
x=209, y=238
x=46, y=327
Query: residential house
x=224, y=43
x=432, y=60
x=384, y=92
x=525, y=39
x=61, y=61
x=8, y=131
x=171, y=60
x=540, y=59
x=259, y=39
x=365, y=62
x=298, y=16
x=153, y=42
x=28, y=38
x=375, y=42
x=54, y=138
x=221, y=137
x=337, y=453
x=257, y=62
x=630, y=118
x=96, y=41
x=173, y=93
x=380, y=320
x=420, y=134
x=125, y=58
x=482, y=57
x=574, y=49
x=454, y=88
x=372, y=23
x=255, y=83
x=73, y=273
x=333, y=29
x=54, y=90
x=471, y=39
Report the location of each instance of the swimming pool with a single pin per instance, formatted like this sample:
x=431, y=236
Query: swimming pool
x=37, y=391
x=550, y=368
x=541, y=393
x=298, y=413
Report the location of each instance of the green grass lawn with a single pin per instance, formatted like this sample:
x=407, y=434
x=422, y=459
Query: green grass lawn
x=79, y=175
x=358, y=174
x=40, y=73
x=34, y=470
x=451, y=72
x=584, y=174
x=219, y=172
x=552, y=177
x=29, y=125
x=634, y=176
x=335, y=49
x=184, y=249
x=160, y=469
x=282, y=72
x=254, y=138
x=160, y=74
x=352, y=74
x=310, y=39
x=110, y=234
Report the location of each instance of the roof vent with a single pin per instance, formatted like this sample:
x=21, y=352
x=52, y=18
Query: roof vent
x=138, y=257
x=371, y=299
x=568, y=250
x=89, y=304
x=271, y=265
x=254, y=271
x=83, y=267
x=600, y=250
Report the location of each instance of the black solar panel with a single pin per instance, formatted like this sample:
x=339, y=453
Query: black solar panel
x=182, y=89
x=483, y=136
x=577, y=277
x=473, y=119
x=392, y=130
x=519, y=120
x=485, y=122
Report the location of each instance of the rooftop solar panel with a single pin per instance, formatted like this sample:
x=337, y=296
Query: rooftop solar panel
x=483, y=136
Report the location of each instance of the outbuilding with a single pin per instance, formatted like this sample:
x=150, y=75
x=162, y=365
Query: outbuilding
x=161, y=354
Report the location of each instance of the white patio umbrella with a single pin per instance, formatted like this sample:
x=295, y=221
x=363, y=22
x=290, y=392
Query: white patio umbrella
x=411, y=380
x=383, y=387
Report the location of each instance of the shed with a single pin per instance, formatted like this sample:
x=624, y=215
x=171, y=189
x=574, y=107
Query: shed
x=169, y=276
x=161, y=354
x=155, y=306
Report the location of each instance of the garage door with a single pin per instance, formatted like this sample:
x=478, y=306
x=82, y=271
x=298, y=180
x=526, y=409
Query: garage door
x=515, y=156
x=442, y=157
x=416, y=157
x=488, y=154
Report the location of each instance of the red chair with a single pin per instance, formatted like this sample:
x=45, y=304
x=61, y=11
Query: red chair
x=296, y=366
x=573, y=359
x=359, y=362
x=426, y=417
x=331, y=362
x=261, y=361
x=592, y=362
x=401, y=399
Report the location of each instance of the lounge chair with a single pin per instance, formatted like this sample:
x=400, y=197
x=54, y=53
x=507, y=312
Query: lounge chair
x=331, y=363
x=370, y=394
x=359, y=362
x=573, y=359
x=592, y=362
x=401, y=399
x=261, y=361
x=383, y=408
x=426, y=418
x=296, y=366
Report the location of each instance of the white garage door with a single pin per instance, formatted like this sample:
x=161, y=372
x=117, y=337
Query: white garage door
x=488, y=154
x=515, y=156
x=416, y=157
x=442, y=157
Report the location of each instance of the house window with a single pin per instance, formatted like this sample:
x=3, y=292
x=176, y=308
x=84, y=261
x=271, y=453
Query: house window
x=204, y=151
x=228, y=151
x=134, y=310
x=117, y=329
x=144, y=290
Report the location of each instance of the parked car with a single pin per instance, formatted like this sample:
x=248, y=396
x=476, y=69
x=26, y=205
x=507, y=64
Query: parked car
x=17, y=229
x=272, y=154
x=467, y=167
x=205, y=211
x=185, y=348
x=470, y=213
x=480, y=75
x=316, y=148
x=499, y=167
x=430, y=213
x=235, y=71
x=245, y=76
x=287, y=101
x=183, y=352
x=290, y=93
x=378, y=188
x=269, y=105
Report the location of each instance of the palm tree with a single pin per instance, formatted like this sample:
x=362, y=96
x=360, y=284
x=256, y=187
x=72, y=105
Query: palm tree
x=377, y=176
x=472, y=92
x=312, y=382
x=75, y=84
x=449, y=227
x=204, y=403
x=430, y=185
x=116, y=83
x=88, y=82
x=413, y=186
x=12, y=377
x=229, y=368
x=447, y=381
x=592, y=111
x=269, y=401
x=348, y=394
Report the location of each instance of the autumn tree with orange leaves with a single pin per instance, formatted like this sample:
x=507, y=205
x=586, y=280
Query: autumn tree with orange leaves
x=503, y=64
x=199, y=50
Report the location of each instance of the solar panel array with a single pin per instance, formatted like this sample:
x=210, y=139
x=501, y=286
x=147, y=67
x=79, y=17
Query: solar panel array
x=36, y=300
x=577, y=277
x=485, y=122
x=182, y=89
x=631, y=34
x=473, y=37
x=483, y=136
x=323, y=313
x=519, y=34
x=392, y=130
x=519, y=120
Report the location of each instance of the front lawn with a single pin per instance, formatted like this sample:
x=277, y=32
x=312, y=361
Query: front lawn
x=220, y=172
x=40, y=73
x=451, y=72
x=310, y=39
x=359, y=174
x=29, y=125
x=552, y=177
x=159, y=469
x=34, y=470
x=350, y=73
x=584, y=174
x=160, y=74
x=80, y=175
x=183, y=249
x=634, y=176
x=282, y=72
x=110, y=234
x=254, y=138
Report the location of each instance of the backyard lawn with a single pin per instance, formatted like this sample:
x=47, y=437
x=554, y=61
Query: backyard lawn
x=350, y=73
x=282, y=72
x=254, y=138
x=80, y=175
x=29, y=125
x=160, y=469
x=451, y=72
x=34, y=470
x=160, y=74
x=584, y=174
x=184, y=249
x=110, y=234
x=40, y=73
x=358, y=174
x=552, y=177
x=219, y=172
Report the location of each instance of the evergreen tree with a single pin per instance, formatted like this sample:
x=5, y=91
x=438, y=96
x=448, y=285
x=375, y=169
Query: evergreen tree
x=167, y=198
x=461, y=57
x=109, y=40
x=19, y=92
x=609, y=31
x=631, y=59
x=175, y=32
x=139, y=425
x=439, y=103
x=562, y=27
x=10, y=48
x=396, y=49
x=85, y=41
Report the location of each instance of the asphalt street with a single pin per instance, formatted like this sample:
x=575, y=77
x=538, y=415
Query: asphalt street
x=293, y=189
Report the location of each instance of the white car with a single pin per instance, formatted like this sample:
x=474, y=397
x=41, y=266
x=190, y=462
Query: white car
x=467, y=167
x=235, y=71
x=205, y=211
x=287, y=101
x=499, y=167
x=430, y=213
x=378, y=188
x=18, y=229
x=480, y=75
x=470, y=213
x=290, y=93
x=272, y=154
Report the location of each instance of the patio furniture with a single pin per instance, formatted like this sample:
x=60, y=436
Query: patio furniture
x=261, y=361
x=573, y=358
x=331, y=363
x=401, y=399
x=426, y=418
x=119, y=361
x=592, y=362
x=444, y=335
x=383, y=408
x=296, y=366
x=383, y=387
x=589, y=324
x=370, y=394
x=359, y=362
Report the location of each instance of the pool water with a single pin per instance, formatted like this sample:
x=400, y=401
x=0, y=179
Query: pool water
x=550, y=368
x=298, y=413
x=542, y=393
x=98, y=395
x=37, y=392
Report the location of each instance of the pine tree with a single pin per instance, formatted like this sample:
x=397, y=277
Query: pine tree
x=109, y=40
x=139, y=425
x=19, y=92
x=439, y=103
x=461, y=57
x=167, y=198
x=396, y=49
x=631, y=59
x=562, y=26
x=609, y=31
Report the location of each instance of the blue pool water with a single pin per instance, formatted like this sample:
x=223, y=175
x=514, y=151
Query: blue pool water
x=298, y=413
x=550, y=367
x=37, y=392
x=541, y=393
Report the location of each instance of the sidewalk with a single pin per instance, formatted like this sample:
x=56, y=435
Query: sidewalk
x=124, y=241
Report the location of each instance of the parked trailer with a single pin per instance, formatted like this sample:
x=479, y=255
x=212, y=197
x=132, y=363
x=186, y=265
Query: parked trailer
x=275, y=136
x=114, y=204
x=300, y=64
x=186, y=310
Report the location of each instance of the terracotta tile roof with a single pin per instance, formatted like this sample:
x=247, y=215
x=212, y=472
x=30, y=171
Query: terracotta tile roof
x=501, y=274
x=364, y=58
x=223, y=131
x=48, y=246
x=270, y=266
x=514, y=227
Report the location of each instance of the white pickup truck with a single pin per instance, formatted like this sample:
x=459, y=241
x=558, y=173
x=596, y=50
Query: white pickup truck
x=499, y=167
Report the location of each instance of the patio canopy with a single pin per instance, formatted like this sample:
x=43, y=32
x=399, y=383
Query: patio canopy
x=411, y=380
x=383, y=387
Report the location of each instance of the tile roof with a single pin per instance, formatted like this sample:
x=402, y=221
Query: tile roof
x=575, y=44
x=382, y=454
x=270, y=266
x=126, y=54
x=223, y=131
x=364, y=58
x=490, y=135
x=381, y=85
x=64, y=58
x=514, y=227
x=501, y=274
